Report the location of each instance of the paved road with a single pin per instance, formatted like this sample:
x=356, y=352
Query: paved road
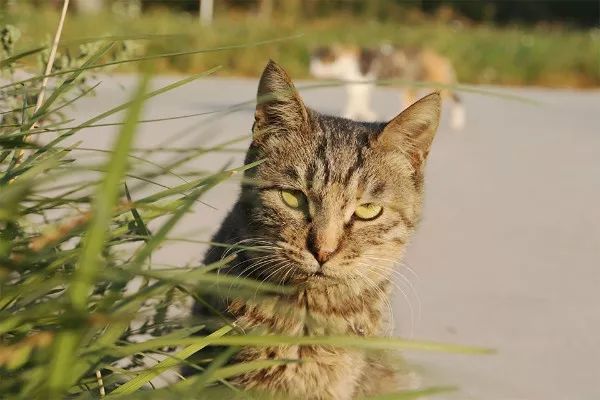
x=508, y=255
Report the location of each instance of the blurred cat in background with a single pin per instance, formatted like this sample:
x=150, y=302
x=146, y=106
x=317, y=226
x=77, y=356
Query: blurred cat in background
x=365, y=66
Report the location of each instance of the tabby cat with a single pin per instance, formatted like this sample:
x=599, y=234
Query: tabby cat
x=329, y=212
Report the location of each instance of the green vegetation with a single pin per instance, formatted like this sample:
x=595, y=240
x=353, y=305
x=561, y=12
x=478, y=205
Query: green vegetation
x=547, y=56
x=74, y=232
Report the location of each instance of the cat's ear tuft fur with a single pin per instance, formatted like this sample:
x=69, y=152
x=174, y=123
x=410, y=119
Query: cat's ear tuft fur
x=278, y=103
x=412, y=131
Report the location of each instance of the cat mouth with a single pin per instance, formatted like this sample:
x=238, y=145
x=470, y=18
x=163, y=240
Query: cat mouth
x=320, y=276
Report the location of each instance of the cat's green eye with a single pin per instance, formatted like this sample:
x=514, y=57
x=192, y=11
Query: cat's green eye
x=292, y=198
x=368, y=211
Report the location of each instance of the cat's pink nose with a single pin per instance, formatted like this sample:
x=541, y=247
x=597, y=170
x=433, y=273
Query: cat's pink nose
x=324, y=241
x=324, y=254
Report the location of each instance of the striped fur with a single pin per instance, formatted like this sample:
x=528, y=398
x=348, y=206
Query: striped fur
x=337, y=164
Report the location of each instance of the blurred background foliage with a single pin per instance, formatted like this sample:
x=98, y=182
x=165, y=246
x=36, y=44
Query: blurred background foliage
x=574, y=12
x=548, y=43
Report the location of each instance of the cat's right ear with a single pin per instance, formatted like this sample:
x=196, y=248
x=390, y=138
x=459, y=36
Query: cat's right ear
x=412, y=131
x=278, y=103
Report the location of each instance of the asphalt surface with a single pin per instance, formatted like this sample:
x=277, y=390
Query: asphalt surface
x=507, y=256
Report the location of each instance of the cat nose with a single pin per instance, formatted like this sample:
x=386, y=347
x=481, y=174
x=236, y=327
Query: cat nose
x=324, y=240
x=321, y=252
x=323, y=255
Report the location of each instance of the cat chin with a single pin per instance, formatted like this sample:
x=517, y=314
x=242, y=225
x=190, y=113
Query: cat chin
x=320, y=284
x=321, y=277
x=311, y=279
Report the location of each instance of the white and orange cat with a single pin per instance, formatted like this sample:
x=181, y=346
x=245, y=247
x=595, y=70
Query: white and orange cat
x=362, y=67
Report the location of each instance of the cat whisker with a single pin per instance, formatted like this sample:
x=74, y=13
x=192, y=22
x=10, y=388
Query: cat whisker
x=383, y=297
x=404, y=278
x=393, y=261
x=238, y=264
x=380, y=271
x=277, y=267
x=291, y=267
x=263, y=263
x=411, y=287
x=400, y=275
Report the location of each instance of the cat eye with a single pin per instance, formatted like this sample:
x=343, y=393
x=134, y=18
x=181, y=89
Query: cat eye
x=368, y=211
x=292, y=198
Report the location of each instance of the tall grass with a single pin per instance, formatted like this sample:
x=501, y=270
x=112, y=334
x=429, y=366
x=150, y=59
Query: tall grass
x=72, y=240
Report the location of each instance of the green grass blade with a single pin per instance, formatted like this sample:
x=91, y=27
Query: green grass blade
x=200, y=279
x=181, y=189
x=414, y=394
x=498, y=93
x=141, y=226
x=65, y=104
x=200, y=381
x=106, y=199
x=30, y=176
x=165, y=365
x=59, y=379
x=159, y=237
x=157, y=56
x=118, y=108
x=67, y=84
x=237, y=369
x=12, y=59
x=196, y=386
x=374, y=343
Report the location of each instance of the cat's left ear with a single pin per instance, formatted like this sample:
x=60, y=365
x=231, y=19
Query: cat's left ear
x=412, y=131
x=278, y=103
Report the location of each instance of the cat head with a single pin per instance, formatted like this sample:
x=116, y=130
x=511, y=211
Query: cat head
x=335, y=201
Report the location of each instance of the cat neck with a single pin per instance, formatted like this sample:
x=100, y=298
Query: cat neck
x=326, y=310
